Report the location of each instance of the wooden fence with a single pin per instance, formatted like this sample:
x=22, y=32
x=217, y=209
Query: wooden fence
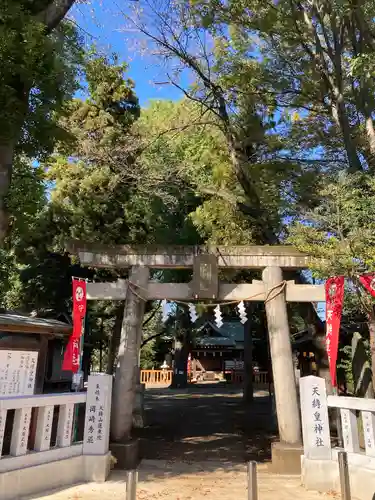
x=260, y=379
x=156, y=377
x=164, y=377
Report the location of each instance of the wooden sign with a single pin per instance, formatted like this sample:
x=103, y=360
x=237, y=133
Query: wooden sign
x=17, y=372
x=205, y=284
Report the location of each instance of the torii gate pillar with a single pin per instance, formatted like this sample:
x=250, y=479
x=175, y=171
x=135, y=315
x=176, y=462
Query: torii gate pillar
x=127, y=371
x=288, y=416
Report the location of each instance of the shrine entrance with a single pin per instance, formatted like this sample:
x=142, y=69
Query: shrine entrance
x=206, y=422
x=273, y=289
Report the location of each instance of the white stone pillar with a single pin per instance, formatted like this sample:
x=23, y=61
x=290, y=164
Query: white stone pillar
x=315, y=422
x=97, y=415
x=126, y=375
x=287, y=409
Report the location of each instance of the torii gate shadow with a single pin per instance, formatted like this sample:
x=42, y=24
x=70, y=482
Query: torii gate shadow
x=207, y=422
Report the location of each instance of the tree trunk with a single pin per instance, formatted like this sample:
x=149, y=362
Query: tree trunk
x=6, y=165
x=351, y=151
x=248, y=390
x=316, y=326
x=371, y=137
x=181, y=353
x=361, y=369
x=259, y=216
x=115, y=338
x=127, y=367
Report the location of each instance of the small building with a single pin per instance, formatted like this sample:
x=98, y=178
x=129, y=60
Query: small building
x=31, y=355
x=217, y=350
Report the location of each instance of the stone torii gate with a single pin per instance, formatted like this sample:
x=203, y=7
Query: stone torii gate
x=205, y=262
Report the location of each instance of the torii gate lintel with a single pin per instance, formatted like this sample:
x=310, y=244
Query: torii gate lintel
x=182, y=257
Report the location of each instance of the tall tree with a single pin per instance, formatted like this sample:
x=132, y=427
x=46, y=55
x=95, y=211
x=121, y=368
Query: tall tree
x=340, y=236
x=38, y=56
x=316, y=61
x=177, y=32
x=214, y=42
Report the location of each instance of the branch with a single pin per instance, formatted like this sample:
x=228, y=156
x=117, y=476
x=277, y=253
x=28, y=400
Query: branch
x=151, y=338
x=55, y=13
x=151, y=315
x=177, y=130
x=224, y=195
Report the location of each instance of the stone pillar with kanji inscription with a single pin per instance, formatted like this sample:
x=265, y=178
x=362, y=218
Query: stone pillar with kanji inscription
x=97, y=417
x=315, y=422
x=287, y=408
x=126, y=376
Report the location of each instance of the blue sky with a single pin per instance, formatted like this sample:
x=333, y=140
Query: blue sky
x=101, y=23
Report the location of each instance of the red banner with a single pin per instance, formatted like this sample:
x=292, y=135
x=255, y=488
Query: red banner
x=79, y=307
x=71, y=362
x=334, y=302
x=368, y=281
x=72, y=352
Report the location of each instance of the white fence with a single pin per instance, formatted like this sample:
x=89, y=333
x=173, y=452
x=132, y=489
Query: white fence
x=320, y=460
x=27, y=424
x=20, y=455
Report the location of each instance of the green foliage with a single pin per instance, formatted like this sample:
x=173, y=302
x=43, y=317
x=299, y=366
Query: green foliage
x=27, y=198
x=106, y=116
x=38, y=75
x=192, y=152
x=339, y=234
x=344, y=365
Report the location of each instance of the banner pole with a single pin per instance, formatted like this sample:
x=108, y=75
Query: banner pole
x=338, y=421
x=77, y=385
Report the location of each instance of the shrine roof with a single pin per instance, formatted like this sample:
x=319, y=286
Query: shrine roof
x=230, y=329
x=215, y=341
x=19, y=323
x=230, y=334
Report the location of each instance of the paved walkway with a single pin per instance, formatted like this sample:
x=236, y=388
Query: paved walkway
x=195, y=445
x=160, y=480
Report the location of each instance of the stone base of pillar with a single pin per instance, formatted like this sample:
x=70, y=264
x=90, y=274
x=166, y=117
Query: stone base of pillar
x=286, y=459
x=127, y=454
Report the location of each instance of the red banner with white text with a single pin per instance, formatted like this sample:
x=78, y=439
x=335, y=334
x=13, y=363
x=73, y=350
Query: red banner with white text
x=71, y=362
x=79, y=306
x=334, y=301
x=368, y=281
x=72, y=352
